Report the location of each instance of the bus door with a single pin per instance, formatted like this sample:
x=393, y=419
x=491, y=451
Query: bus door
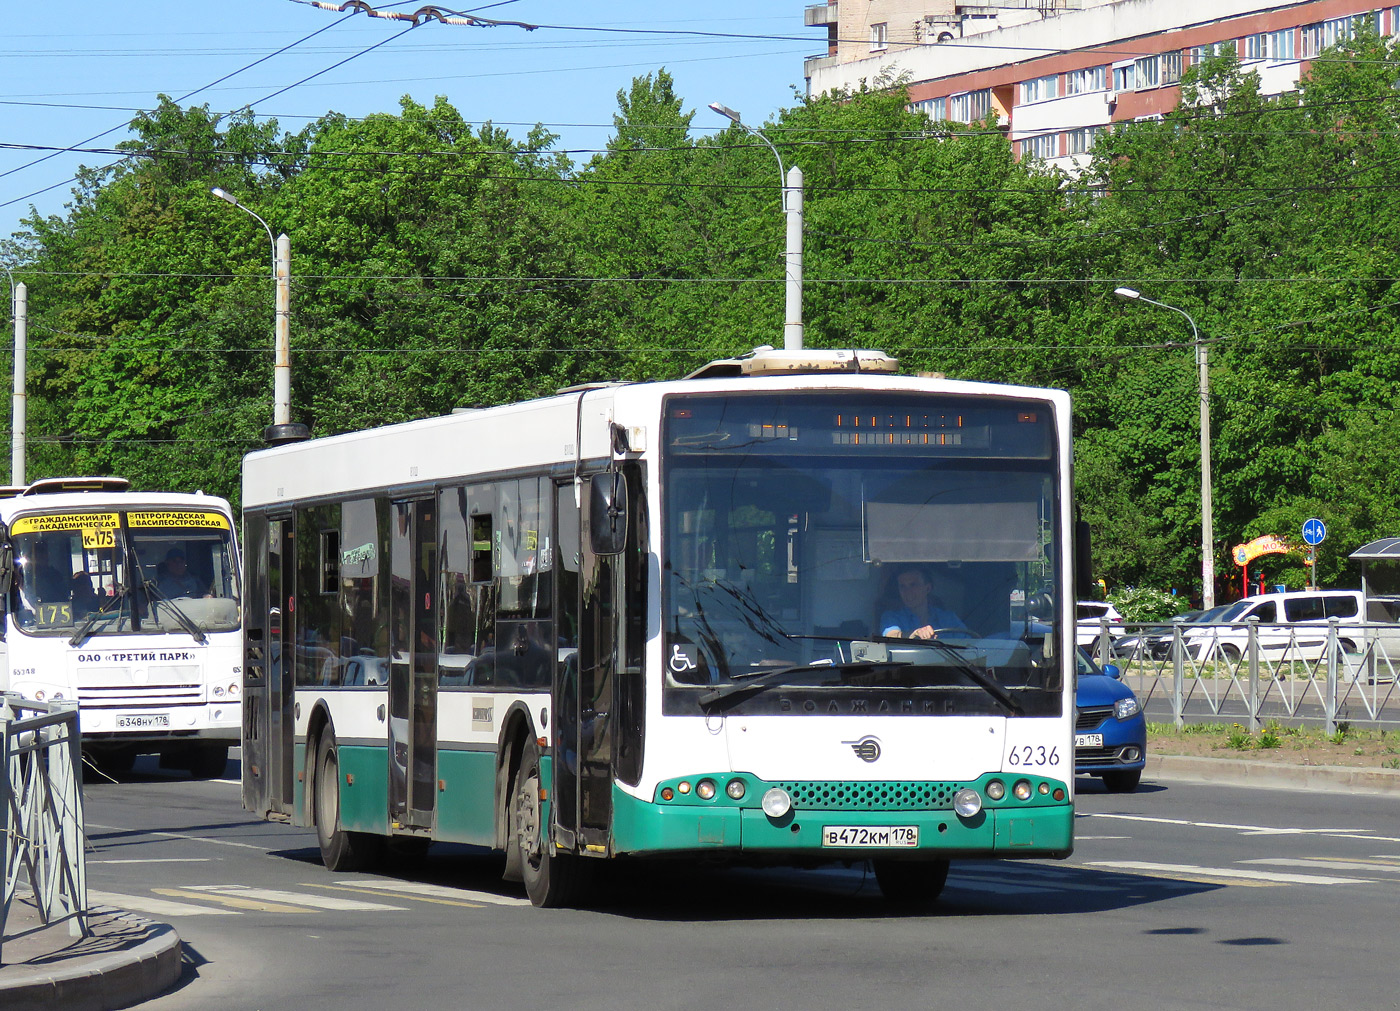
x=585, y=681
x=268, y=668
x=413, y=672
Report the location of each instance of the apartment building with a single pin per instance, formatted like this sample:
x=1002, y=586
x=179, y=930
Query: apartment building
x=1057, y=72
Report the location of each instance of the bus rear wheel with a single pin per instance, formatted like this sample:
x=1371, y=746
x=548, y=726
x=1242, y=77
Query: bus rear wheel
x=340, y=850
x=551, y=879
x=909, y=881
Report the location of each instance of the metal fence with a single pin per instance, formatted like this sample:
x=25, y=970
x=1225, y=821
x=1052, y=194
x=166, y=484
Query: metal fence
x=43, y=814
x=1311, y=674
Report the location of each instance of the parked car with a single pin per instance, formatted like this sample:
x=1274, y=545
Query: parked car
x=1087, y=616
x=1110, y=732
x=1294, y=625
x=1155, y=642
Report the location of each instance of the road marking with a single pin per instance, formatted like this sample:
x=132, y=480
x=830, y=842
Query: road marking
x=176, y=835
x=295, y=898
x=416, y=898
x=158, y=907
x=234, y=901
x=1099, y=838
x=156, y=860
x=1325, y=864
x=1192, y=872
x=438, y=891
x=1244, y=829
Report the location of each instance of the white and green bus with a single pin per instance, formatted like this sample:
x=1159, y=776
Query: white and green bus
x=662, y=620
x=127, y=602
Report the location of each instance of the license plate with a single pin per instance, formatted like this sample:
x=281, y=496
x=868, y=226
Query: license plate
x=879, y=836
x=1088, y=740
x=143, y=721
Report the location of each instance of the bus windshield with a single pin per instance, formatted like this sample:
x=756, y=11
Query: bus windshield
x=123, y=571
x=838, y=545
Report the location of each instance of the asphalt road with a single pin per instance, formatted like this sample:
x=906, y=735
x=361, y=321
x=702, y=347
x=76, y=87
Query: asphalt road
x=1177, y=896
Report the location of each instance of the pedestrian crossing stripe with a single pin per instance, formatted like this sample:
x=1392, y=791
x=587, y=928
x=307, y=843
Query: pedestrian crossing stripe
x=420, y=889
x=156, y=907
x=276, y=895
x=1322, y=863
x=1228, y=875
x=236, y=902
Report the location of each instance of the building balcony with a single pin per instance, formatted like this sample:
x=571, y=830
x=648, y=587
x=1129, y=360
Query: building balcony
x=819, y=14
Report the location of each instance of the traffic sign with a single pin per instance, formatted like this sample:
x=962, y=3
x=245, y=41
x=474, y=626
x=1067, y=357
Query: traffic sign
x=1314, y=531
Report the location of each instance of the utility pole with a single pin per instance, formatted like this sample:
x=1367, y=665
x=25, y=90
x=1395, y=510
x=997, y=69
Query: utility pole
x=18, y=406
x=792, y=205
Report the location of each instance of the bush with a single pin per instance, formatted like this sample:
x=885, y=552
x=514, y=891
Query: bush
x=1143, y=603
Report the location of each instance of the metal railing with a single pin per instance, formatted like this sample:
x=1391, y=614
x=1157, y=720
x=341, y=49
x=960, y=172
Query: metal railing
x=1311, y=674
x=43, y=814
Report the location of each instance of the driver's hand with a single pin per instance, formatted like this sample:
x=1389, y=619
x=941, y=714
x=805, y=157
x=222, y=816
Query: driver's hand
x=926, y=632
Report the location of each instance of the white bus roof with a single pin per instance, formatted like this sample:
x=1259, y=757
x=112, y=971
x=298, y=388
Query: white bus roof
x=78, y=501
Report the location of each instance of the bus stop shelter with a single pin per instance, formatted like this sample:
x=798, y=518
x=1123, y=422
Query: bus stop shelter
x=1387, y=549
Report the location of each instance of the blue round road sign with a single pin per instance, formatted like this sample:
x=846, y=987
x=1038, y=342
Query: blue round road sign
x=1314, y=531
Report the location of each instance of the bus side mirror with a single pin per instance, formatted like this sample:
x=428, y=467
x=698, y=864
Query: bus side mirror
x=607, y=513
x=7, y=565
x=1083, y=562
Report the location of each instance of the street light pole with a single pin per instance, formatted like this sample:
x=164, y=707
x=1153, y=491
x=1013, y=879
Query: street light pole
x=282, y=428
x=1207, y=521
x=19, y=305
x=792, y=184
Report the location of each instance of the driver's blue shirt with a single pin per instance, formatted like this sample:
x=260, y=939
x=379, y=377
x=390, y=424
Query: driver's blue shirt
x=902, y=621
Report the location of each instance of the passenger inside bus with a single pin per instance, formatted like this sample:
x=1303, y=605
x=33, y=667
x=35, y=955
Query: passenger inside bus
x=46, y=581
x=176, y=580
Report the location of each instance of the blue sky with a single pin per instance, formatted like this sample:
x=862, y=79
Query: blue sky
x=70, y=71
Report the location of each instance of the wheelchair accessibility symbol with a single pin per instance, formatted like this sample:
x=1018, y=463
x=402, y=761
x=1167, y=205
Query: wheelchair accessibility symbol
x=682, y=660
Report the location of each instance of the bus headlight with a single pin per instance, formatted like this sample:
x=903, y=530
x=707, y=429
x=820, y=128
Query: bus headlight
x=735, y=788
x=705, y=789
x=967, y=802
x=1022, y=790
x=218, y=691
x=996, y=789
x=776, y=802
x=233, y=690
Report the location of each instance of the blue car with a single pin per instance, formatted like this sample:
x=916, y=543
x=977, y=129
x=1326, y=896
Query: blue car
x=1110, y=733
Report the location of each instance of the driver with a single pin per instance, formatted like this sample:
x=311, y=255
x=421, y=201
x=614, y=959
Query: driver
x=920, y=617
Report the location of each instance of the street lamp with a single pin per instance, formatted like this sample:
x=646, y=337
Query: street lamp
x=792, y=206
x=1207, y=524
x=19, y=305
x=282, y=428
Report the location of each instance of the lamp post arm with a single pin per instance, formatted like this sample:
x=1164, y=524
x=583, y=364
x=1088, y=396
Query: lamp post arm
x=1195, y=335
x=782, y=169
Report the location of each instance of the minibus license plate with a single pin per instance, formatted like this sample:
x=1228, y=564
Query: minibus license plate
x=1088, y=740
x=143, y=721
x=881, y=836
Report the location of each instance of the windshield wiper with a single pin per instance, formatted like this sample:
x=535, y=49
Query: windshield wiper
x=90, y=622
x=762, y=680
x=184, y=619
x=981, y=678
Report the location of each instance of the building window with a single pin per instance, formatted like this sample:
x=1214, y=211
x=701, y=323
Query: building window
x=1082, y=81
x=1393, y=16
x=970, y=106
x=1147, y=72
x=1281, y=45
x=1199, y=54
x=935, y=109
x=879, y=36
x=1040, y=89
x=1171, y=67
x=1082, y=141
x=1043, y=146
x=1123, y=78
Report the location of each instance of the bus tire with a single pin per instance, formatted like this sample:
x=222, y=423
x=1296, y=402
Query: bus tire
x=340, y=850
x=909, y=881
x=551, y=879
x=209, y=761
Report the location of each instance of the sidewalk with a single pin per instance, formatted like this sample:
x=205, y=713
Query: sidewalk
x=128, y=960
x=124, y=961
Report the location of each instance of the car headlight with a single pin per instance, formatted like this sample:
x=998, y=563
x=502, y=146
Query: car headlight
x=1126, y=709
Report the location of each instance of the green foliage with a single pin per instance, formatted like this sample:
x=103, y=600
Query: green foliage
x=1143, y=603
x=439, y=263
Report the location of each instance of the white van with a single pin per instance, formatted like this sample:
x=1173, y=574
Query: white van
x=1293, y=626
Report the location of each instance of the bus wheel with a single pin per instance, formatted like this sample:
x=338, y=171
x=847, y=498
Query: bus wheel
x=551, y=879
x=209, y=761
x=340, y=850
x=910, y=881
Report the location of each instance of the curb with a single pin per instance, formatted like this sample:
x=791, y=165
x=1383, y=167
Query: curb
x=1268, y=776
x=100, y=982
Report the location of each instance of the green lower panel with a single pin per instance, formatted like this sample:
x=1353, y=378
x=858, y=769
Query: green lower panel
x=642, y=828
x=465, y=803
x=364, y=789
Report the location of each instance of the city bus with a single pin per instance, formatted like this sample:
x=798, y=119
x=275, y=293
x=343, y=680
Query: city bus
x=127, y=602
x=653, y=621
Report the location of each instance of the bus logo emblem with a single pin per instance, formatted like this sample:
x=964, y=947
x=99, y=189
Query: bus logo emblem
x=867, y=749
